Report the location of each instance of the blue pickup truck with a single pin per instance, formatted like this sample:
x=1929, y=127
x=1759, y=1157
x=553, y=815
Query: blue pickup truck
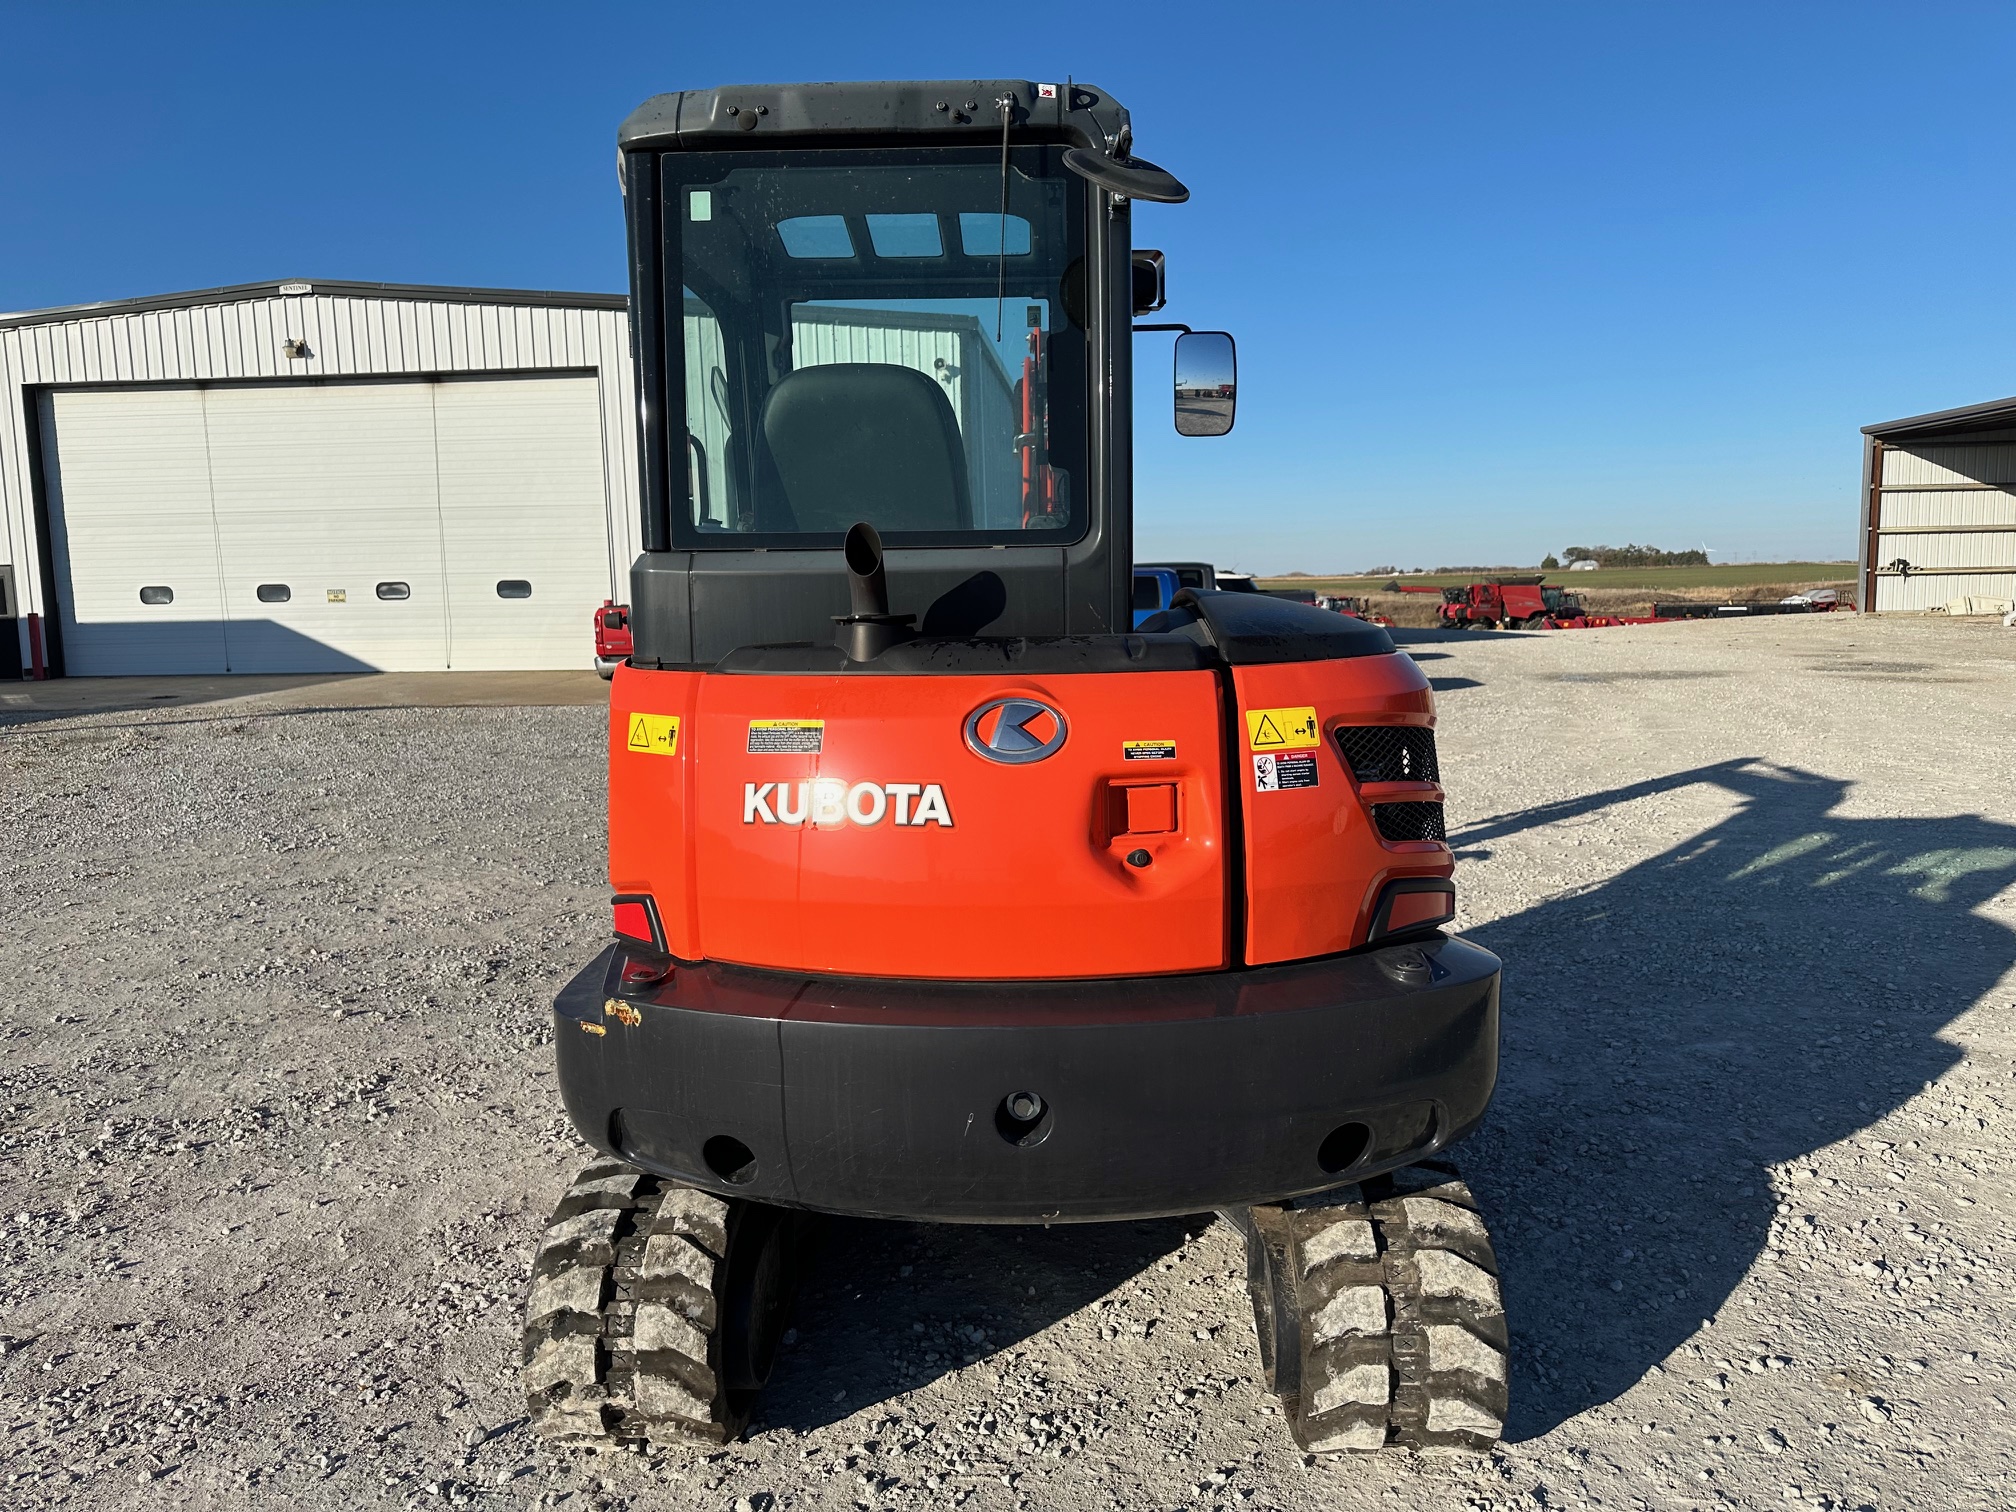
x=1154, y=587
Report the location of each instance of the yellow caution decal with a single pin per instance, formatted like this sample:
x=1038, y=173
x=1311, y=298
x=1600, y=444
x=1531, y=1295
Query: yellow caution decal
x=1147, y=750
x=654, y=734
x=1282, y=729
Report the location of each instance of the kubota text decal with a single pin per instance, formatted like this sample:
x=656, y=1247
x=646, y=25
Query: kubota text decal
x=829, y=803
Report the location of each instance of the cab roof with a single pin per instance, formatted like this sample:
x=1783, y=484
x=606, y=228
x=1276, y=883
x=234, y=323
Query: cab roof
x=1081, y=115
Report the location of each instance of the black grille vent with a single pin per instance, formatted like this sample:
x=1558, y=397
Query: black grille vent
x=1389, y=753
x=1409, y=821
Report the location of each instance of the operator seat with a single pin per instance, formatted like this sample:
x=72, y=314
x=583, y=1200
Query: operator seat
x=872, y=441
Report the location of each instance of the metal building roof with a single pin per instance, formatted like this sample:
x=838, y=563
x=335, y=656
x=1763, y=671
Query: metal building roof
x=292, y=287
x=1996, y=414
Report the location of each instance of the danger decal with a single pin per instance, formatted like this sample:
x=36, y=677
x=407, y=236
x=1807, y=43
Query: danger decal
x=1147, y=750
x=828, y=803
x=1276, y=774
x=786, y=737
x=654, y=734
x=1282, y=729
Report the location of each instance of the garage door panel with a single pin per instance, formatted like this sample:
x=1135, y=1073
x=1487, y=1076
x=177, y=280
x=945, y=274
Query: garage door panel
x=328, y=491
x=274, y=645
x=128, y=489
x=329, y=526
x=522, y=503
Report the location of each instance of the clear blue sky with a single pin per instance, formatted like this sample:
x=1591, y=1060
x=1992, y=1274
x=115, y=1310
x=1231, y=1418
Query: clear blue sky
x=1505, y=277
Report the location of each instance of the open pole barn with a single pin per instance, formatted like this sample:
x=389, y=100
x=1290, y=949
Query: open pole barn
x=1939, y=510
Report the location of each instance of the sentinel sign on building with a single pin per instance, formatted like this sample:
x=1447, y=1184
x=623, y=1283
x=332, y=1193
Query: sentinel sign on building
x=313, y=477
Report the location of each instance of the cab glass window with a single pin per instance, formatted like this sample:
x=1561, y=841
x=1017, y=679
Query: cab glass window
x=868, y=337
x=904, y=236
x=815, y=236
x=985, y=235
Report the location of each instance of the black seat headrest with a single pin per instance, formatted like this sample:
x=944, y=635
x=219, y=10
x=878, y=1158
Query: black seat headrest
x=867, y=441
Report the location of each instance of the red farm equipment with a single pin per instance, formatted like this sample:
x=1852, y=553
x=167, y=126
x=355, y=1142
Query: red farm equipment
x=1509, y=602
x=1529, y=603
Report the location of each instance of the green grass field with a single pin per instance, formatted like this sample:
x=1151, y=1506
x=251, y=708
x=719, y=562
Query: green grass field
x=1735, y=575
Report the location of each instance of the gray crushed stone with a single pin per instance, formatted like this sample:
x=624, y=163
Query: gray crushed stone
x=278, y=1129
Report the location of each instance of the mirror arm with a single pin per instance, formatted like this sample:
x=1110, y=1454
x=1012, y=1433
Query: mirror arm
x=1183, y=328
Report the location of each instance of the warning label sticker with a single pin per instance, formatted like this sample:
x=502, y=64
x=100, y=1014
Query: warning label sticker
x=1147, y=750
x=1277, y=774
x=1281, y=729
x=654, y=734
x=786, y=737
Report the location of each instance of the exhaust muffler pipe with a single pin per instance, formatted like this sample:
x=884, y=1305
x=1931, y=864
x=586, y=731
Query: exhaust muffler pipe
x=871, y=629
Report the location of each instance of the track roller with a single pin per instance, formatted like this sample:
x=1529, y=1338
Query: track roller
x=655, y=1310
x=1379, y=1316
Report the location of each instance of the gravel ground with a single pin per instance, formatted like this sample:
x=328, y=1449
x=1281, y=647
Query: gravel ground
x=279, y=1129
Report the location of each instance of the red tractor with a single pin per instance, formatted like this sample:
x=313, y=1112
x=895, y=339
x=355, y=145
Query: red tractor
x=1508, y=602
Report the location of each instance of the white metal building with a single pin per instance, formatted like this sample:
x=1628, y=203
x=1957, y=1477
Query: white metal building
x=303, y=478
x=1939, y=508
x=951, y=348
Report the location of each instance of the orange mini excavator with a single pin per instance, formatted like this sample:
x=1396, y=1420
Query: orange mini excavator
x=940, y=893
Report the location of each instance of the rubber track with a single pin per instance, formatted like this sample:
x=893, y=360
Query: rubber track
x=621, y=1321
x=1400, y=1319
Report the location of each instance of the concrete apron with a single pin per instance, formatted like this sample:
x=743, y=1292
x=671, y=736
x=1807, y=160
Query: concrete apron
x=371, y=690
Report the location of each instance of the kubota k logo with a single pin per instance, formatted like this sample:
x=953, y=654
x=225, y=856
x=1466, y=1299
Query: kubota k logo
x=1015, y=730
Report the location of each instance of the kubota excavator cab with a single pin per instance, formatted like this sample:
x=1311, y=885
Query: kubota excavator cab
x=940, y=890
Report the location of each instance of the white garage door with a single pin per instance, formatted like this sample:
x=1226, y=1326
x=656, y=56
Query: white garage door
x=398, y=525
x=143, y=531
x=324, y=500
x=520, y=592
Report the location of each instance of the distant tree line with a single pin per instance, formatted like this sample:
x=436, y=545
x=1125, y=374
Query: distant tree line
x=1635, y=556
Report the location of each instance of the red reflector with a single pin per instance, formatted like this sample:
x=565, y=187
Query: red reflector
x=634, y=920
x=1410, y=909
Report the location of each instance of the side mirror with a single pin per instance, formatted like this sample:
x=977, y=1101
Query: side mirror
x=1207, y=383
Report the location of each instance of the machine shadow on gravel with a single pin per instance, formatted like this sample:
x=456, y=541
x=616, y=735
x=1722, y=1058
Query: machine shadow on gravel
x=1769, y=988
x=873, y=1282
